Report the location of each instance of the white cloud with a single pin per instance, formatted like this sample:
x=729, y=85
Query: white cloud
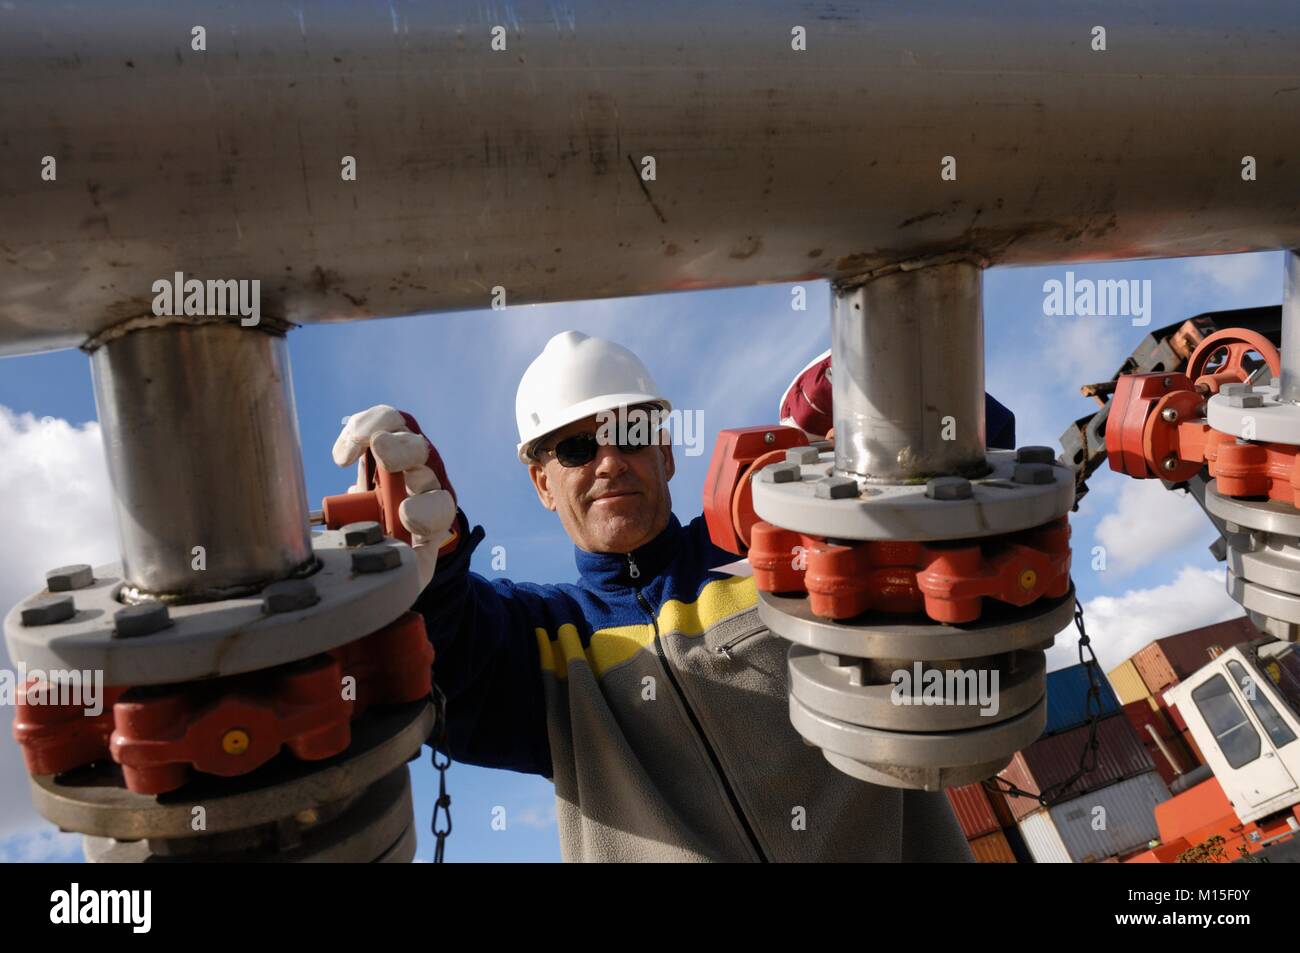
x=1120, y=625
x=1068, y=352
x=1148, y=522
x=57, y=511
x=1082, y=350
x=1256, y=276
x=54, y=477
x=538, y=817
x=47, y=846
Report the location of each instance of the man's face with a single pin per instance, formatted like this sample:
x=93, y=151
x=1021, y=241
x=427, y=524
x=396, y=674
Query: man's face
x=614, y=503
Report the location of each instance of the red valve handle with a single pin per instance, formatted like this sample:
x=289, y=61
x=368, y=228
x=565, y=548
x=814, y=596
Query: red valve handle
x=380, y=502
x=1238, y=342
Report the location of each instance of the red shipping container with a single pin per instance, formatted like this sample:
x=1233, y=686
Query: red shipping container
x=1171, y=712
x=1168, y=661
x=1141, y=715
x=974, y=811
x=992, y=849
x=1175, y=747
x=1001, y=809
x=1049, y=761
x=1193, y=747
x=1144, y=719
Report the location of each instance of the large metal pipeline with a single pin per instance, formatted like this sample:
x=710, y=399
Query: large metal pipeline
x=525, y=168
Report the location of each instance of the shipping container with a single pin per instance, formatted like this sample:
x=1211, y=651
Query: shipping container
x=1002, y=810
x=1018, y=848
x=1142, y=716
x=1172, y=759
x=1171, y=712
x=1154, y=668
x=1128, y=684
x=1193, y=747
x=1067, y=698
x=1116, y=819
x=1166, y=662
x=1049, y=761
x=1042, y=839
x=974, y=810
x=1162, y=742
x=992, y=849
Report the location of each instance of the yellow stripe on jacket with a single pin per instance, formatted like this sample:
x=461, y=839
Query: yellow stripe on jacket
x=717, y=600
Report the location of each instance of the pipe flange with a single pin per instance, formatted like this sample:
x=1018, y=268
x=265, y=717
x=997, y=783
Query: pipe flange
x=916, y=779
x=402, y=852
x=94, y=800
x=1267, y=515
x=921, y=760
x=832, y=685
x=1274, y=603
x=366, y=832
x=1267, y=559
x=1001, y=628
x=212, y=639
x=1253, y=412
x=810, y=498
x=1277, y=628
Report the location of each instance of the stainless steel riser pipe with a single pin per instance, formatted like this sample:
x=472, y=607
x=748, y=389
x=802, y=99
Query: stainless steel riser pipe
x=203, y=453
x=907, y=375
x=1290, y=383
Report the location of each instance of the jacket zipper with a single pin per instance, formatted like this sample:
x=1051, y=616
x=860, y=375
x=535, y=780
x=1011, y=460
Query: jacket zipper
x=726, y=647
x=635, y=572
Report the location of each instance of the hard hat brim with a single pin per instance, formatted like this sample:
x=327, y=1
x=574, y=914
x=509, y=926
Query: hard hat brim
x=587, y=408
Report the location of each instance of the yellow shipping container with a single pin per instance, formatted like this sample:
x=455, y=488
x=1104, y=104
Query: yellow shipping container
x=1128, y=684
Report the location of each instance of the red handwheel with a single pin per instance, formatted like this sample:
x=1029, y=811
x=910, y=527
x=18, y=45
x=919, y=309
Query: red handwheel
x=1237, y=342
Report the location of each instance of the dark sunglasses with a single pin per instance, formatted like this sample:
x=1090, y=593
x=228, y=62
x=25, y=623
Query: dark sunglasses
x=580, y=449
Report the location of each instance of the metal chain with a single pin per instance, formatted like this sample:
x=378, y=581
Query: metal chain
x=443, y=804
x=1088, y=756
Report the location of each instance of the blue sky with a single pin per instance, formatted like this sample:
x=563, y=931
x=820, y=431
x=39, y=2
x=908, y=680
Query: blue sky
x=728, y=354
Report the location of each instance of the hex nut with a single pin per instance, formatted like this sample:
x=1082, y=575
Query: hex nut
x=365, y=533
x=143, y=619
x=289, y=595
x=1035, y=455
x=948, y=488
x=1227, y=390
x=836, y=488
x=1033, y=474
x=67, y=578
x=780, y=473
x=1245, y=401
x=802, y=455
x=47, y=610
x=376, y=559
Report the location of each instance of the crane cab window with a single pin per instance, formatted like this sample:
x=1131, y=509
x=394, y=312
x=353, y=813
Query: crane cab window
x=1278, y=731
x=1281, y=663
x=1232, y=730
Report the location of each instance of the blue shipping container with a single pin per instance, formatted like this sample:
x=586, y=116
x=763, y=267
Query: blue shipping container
x=1067, y=698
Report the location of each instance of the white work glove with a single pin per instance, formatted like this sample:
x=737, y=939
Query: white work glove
x=428, y=510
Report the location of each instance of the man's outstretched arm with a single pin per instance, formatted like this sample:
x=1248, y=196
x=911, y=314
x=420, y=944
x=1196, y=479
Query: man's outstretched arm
x=483, y=633
x=486, y=663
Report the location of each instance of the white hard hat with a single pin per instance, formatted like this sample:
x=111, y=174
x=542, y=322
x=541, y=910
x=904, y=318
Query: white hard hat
x=576, y=376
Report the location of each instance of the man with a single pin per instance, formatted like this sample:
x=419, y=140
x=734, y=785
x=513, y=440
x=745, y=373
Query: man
x=649, y=692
